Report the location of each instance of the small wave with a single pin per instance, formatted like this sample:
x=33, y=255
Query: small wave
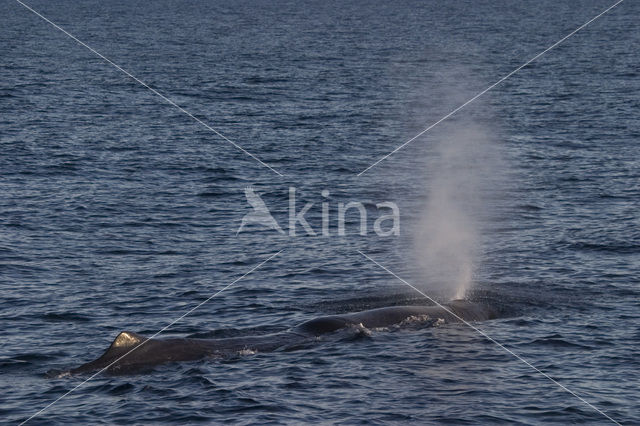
x=529, y=207
x=138, y=252
x=265, y=80
x=519, y=322
x=32, y=358
x=114, y=389
x=65, y=316
x=609, y=196
x=213, y=194
x=619, y=247
x=57, y=374
x=11, y=362
x=557, y=341
x=20, y=362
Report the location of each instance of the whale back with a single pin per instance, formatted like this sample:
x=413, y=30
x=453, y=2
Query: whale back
x=387, y=316
x=130, y=352
x=454, y=311
x=469, y=311
x=322, y=325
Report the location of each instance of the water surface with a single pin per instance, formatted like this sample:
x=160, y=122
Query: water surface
x=119, y=212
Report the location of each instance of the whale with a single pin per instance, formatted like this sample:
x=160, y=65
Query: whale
x=131, y=352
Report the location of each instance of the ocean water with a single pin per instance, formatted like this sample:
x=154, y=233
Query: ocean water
x=120, y=212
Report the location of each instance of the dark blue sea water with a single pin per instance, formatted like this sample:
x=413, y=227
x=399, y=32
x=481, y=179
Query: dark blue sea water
x=120, y=212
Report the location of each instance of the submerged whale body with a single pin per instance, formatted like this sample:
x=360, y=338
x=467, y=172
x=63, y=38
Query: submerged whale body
x=131, y=352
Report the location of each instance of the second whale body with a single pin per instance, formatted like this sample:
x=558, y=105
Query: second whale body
x=131, y=352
